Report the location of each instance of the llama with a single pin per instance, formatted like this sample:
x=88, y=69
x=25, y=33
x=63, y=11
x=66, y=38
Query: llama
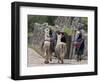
x=60, y=49
x=46, y=46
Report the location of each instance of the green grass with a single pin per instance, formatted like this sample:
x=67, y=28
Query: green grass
x=69, y=31
x=30, y=34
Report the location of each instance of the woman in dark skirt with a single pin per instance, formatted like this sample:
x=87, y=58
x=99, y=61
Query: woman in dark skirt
x=79, y=46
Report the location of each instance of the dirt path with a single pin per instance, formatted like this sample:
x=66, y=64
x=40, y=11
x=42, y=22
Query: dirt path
x=34, y=59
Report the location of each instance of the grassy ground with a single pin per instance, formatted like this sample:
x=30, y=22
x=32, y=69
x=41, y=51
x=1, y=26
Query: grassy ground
x=69, y=31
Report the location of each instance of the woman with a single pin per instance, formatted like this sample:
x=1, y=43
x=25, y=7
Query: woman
x=79, y=46
x=53, y=37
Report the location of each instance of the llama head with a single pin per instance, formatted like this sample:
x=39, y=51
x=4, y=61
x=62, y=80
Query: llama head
x=59, y=36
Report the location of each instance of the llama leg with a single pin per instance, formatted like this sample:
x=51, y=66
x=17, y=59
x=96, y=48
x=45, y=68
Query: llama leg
x=45, y=54
x=46, y=58
x=57, y=54
x=58, y=61
x=62, y=60
x=44, y=51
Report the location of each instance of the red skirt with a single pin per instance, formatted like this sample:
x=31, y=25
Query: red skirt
x=77, y=44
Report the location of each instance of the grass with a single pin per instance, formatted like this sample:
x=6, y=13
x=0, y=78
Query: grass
x=30, y=34
x=69, y=31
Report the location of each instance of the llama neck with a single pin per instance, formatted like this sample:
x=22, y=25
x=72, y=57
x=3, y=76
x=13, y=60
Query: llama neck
x=59, y=40
x=47, y=37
